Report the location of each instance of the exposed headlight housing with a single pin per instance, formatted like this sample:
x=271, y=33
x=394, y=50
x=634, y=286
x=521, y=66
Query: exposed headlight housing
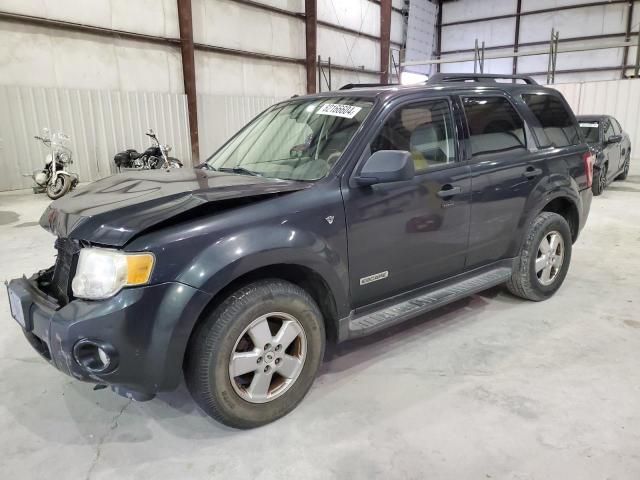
x=101, y=273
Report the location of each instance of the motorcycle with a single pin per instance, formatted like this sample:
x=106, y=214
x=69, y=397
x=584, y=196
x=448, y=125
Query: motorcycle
x=152, y=158
x=54, y=178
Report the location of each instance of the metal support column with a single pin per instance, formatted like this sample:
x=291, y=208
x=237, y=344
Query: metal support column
x=439, y=34
x=553, y=56
x=516, y=39
x=385, y=39
x=311, y=32
x=627, y=36
x=636, y=68
x=189, y=73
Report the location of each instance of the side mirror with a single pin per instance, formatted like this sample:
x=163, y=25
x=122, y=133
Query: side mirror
x=386, y=166
x=614, y=139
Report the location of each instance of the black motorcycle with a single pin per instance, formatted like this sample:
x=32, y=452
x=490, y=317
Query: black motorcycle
x=152, y=158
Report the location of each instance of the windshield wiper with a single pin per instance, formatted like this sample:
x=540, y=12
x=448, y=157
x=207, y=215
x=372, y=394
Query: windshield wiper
x=239, y=170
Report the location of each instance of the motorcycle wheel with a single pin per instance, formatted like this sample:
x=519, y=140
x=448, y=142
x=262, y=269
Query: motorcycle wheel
x=59, y=188
x=174, y=162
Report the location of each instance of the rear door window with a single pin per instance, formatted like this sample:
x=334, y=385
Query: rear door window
x=557, y=123
x=609, y=131
x=494, y=125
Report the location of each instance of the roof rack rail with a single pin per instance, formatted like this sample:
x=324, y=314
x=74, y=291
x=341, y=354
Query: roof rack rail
x=477, y=77
x=349, y=86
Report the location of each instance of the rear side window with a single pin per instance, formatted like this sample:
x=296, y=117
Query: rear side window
x=616, y=126
x=609, y=132
x=555, y=120
x=494, y=125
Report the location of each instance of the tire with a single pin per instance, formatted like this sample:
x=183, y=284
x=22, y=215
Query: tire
x=600, y=180
x=526, y=281
x=625, y=169
x=174, y=162
x=60, y=188
x=208, y=363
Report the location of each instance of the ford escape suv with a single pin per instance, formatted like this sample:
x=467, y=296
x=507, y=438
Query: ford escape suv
x=328, y=217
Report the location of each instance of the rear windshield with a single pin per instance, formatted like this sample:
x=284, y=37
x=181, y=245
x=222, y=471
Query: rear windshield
x=590, y=131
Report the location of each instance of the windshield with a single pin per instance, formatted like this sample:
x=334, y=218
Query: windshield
x=297, y=140
x=590, y=131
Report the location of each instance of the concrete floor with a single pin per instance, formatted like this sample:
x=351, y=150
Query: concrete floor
x=489, y=387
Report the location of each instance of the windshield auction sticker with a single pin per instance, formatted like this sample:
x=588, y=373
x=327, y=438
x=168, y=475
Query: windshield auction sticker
x=589, y=124
x=338, y=110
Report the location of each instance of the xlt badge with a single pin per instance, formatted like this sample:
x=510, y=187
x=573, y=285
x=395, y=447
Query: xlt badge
x=374, y=278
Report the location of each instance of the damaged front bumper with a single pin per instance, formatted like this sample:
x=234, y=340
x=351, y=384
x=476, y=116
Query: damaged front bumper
x=142, y=332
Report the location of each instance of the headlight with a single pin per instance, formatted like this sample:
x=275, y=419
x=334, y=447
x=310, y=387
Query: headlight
x=102, y=273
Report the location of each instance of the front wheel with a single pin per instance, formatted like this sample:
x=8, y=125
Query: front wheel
x=254, y=358
x=544, y=258
x=59, y=187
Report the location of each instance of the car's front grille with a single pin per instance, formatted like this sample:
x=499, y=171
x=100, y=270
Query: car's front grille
x=64, y=269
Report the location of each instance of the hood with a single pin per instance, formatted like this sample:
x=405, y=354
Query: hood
x=113, y=210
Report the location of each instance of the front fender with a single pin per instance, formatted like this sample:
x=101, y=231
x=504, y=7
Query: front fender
x=233, y=256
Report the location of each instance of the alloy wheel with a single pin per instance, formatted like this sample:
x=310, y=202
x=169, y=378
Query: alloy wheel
x=268, y=357
x=550, y=258
x=603, y=178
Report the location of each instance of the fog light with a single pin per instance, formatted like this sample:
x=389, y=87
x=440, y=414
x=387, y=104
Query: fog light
x=95, y=356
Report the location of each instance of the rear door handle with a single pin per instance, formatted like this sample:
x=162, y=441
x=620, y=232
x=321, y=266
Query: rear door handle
x=449, y=190
x=532, y=172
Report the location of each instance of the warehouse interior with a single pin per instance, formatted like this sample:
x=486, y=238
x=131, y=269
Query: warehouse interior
x=488, y=386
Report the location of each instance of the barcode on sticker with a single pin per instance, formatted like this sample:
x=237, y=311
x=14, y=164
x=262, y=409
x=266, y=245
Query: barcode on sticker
x=338, y=110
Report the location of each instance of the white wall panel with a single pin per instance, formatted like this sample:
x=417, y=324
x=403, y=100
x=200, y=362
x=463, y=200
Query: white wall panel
x=397, y=27
x=573, y=23
x=221, y=116
x=228, y=24
x=619, y=98
x=359, y=15
x=497, y=65
x=231, y=75
x=100, y=124
x=467, y=9
x=348, y=49
x=528, y=5
x=493, y=32
x=152, y=17
x=611, y=57
x=37, y=56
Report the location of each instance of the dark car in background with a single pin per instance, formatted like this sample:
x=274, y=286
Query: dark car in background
x=611, y=146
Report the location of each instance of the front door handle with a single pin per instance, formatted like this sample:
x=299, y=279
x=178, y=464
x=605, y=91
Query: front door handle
x=449, y=190
x=532, y=172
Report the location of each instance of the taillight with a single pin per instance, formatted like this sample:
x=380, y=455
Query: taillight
x=589, y=161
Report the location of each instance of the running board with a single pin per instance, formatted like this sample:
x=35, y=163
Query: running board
x=373, y=321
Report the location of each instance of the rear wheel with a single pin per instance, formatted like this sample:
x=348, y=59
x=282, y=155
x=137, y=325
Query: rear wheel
x=625, y=169
x=544, y=258
x=255, y=357
x=600, y=180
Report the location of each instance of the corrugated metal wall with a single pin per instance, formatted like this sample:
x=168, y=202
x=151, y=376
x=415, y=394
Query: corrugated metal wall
x=220, y=116
x=100, y=123
x=619, y=98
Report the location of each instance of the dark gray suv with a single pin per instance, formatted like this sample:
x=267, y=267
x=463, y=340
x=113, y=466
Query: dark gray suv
x=326, y=218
